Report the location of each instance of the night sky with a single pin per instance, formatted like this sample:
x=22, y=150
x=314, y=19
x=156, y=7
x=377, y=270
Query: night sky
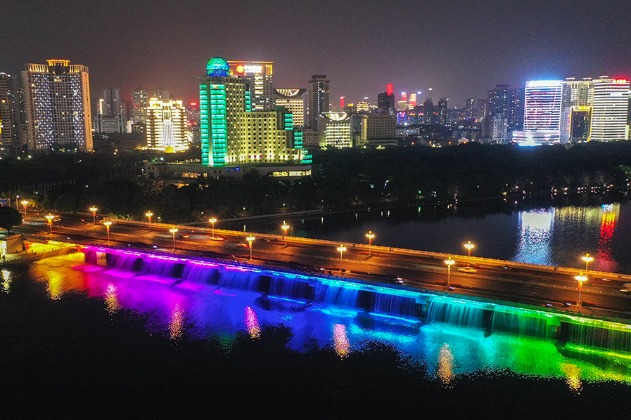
x=459, y=48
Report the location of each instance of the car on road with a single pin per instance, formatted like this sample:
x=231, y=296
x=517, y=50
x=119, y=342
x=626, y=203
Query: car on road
x=469, y=270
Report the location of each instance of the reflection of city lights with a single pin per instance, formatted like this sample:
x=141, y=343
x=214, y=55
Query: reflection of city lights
x=6, y=281
x=340, y=340
x=535, y=236
x=177, y=321
x=573, y=377
x=111, y=300
x=252, y=323
x=607, y=227
x=445, y=365
x=55, y=285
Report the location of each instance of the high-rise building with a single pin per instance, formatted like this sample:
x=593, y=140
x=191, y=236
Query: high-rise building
x=335, y=129
x=442, y=111
x=318, y=96
x=139, y=103
x=430, y=116
x=542, y=113
x=165, y=126
x=386, y=101
x=9, y=123
x=161, y=94
x=508, y=103
x=57, y=102
x=470, y=113
x=609, y=110
x=233, y=134
x=292, y=99
x=578, y=97
x=109, y=115
x=259, y=73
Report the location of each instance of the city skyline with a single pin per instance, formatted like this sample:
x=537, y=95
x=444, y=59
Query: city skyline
x=457, y=48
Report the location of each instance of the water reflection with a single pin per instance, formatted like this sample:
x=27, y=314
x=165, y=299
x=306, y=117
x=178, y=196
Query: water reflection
x=447, y=351
x=535, y=229
x=6, y=281
x=340, y=340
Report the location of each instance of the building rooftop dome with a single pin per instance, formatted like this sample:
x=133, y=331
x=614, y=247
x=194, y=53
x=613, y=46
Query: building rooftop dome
x=217, y=66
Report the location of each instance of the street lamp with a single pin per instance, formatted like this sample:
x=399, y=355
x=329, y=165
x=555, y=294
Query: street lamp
x=449, y=261
x=212, y=221
x=107, y=224
x=587, y=258
x=284, y=227
x=370, y=237
x=93, y=209
x=581, y=279
x=341, y=248
x=50, y=218
x=173, y=231
x=250, y=239
x=149, y=214
x=469, y=247
x=25, y=204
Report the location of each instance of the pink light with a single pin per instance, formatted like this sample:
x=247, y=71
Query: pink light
x=389, y=89
x=252, y=323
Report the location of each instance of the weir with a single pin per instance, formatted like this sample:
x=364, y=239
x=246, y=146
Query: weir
x=370, y=304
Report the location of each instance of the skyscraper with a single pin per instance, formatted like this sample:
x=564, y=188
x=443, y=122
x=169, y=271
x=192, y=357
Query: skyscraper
x=109, y=116
x=609, y=110
x=578, y=98
x=165, y=127
x=386, y=101
x=232, y=134
x=139, y=103
x=542, y=113
x=318, y=95
x=505, y=104
x=57, y=101
x=292, y=99
x=260, y=74
x=9, y=125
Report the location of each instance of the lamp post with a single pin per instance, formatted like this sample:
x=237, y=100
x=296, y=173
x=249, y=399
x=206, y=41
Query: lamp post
x=449, y=261
x=581, y=279
x=25, y=204
x=107, y=224
x=212, y=221
x=250, y=239
x=50, y=219
x=587, y=258
x=341, y=248
x=173, y=231
x=469, y=247
x=370, y=237
x=284, y=227
x=93, y=209
x=149, y=214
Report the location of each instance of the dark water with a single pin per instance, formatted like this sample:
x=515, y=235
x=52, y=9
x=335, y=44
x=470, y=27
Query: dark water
x=539, y=234
x=81, y=341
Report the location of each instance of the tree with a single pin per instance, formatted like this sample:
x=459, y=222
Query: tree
x=9, y=217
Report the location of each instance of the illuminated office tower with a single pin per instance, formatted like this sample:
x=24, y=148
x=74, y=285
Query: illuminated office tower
x=57, y=101
x=542, y=113
x=578, y=97
x=386, y=101
x=139, y=103
x=161, y=94
x=318, y=96
x=233, y=134
x=294, y=101
x=609, y=110
x=9, y=139
x=165, y=126
x=260, y=74
x=335, y=129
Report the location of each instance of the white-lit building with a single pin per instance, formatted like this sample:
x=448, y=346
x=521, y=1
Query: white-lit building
x=57, y=106
x=335, y=129
x=609, y=110
x=293, y=100
x=542, y=113
x=260, y=74
x=165, y=126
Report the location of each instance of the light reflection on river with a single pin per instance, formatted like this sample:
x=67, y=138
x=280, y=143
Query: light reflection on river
x=546, y=235
x=199, y=312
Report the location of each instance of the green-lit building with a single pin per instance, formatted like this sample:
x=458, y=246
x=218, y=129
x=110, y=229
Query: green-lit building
x=233, y=134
